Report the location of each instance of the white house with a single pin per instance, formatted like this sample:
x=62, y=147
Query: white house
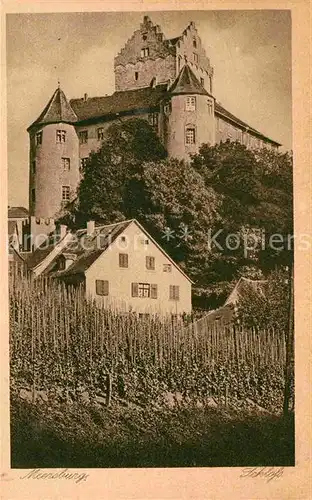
x=119, y=264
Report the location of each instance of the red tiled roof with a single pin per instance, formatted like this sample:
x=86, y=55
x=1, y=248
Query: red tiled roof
x=122, y=101
x=57, y=110
x=17, y=212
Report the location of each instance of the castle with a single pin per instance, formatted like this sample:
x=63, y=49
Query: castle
x=168, y=82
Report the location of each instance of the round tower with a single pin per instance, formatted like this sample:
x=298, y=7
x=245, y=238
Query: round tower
x=54, y=158
x=190, y=116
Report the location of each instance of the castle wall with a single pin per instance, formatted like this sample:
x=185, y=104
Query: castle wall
x=227, y=131
x=50, y=175
x=93, y=142
x=135, y=75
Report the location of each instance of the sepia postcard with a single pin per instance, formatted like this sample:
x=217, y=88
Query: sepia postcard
x=156, y=229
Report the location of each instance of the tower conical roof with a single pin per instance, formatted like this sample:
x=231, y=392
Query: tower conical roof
x=187, y=83
x=57, y=110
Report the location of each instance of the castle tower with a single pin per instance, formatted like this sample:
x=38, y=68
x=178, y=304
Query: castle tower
x=188, y=116
x=54, y=158
x=146, y=55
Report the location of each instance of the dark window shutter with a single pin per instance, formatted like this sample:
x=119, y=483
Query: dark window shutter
x=134, y=289
x=105, y=287
x=123, y=260
x=153, y=291
x=102, y=287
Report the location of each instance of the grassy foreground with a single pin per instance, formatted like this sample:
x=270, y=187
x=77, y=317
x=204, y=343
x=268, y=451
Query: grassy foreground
x=126, y=435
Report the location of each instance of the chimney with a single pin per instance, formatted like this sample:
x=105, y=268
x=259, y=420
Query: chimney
x=63, y=231
x=85, y=97
x=90, y=227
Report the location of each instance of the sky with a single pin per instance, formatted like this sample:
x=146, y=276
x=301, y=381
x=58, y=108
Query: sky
x=249, y=50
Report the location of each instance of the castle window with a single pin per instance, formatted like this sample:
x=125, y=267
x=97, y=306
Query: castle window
x=145, y=52
x=153, y=120
x=83, y=163
x=194, y=43
x=210, y=84
x=34, y=167
x=190, y=103
x=39, y=138
x=66, y=164
x=33, y=195
x=65, y=193
x=174, y=292
x=202, y=82
x=83, y=136
x=167, y=108
x=101, y=287
x=195, y=58
x=100, y=134
x=60, y=136
x=190, y=135
x=136, y=75
x=144, y=37
x=209, y=107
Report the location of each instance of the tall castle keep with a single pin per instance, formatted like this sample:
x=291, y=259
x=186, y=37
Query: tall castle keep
x=168, y=82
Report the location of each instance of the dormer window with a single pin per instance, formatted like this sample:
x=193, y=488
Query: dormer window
x=145, y=52
x=190, y=103
x=195, y=58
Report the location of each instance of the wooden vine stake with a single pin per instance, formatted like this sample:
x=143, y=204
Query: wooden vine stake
x=108, y=389
x=289, y=345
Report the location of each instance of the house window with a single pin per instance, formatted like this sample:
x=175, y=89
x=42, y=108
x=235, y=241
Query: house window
x=189, y=135
x=136, y=75
x=209, y=107
x=39, y=138
x=66, y=164
x=190, y=103
x=60, y=136
x=145, y=52
x=153, y=120
x=194, y=43
x=83, y=162
x=33, y=195
x=195, y=58
x=34, y=167
x=174, y=292
x=65, y=193
x=100, y=134
x=167, y=268
x=123, y=260
x=83, y=136
x=144, y=290
x=101, y=287
x=150, y=262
